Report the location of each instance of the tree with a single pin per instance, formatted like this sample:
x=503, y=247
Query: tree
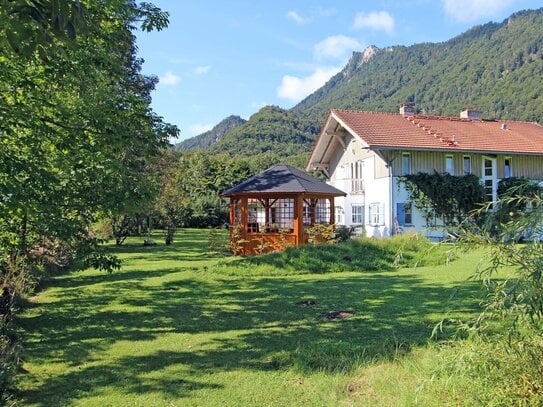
x=518, y=298
x=77, y=130
x=76, y=133
x=173, y=206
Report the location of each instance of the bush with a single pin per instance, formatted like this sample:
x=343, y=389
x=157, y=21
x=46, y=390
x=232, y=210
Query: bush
x=9, y=344
x=344, y=233
x=9, y=360
x=499, y=371
x=102, y=230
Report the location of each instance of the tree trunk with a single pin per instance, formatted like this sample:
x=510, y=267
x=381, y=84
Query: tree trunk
x=169, y=235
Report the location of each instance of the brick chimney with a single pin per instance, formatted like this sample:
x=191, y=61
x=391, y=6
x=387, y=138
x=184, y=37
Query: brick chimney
x=471, y=112
x=407, y=109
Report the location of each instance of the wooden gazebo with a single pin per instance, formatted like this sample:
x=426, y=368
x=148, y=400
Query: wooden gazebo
x=273, y=209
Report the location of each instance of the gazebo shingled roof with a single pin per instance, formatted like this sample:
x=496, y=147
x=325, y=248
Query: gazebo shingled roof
x=283, y=178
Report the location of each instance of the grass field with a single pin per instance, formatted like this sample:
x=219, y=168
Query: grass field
x=179, y=327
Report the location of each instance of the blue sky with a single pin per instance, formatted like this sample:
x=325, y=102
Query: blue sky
x=219, y=58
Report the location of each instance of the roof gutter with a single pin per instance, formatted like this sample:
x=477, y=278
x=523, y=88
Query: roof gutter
x=443, y=150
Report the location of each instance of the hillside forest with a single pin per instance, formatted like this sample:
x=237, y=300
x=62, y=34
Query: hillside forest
x=496, y=66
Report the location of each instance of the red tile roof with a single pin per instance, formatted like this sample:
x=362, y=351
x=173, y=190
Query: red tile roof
x=426, y=132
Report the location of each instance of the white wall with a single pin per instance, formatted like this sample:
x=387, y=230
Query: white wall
x=376, y=190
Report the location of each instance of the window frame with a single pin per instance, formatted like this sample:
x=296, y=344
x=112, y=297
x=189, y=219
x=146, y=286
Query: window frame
x=467, y=159
x=449, y=159
x=359, y=214
x=408, y=210
x=404, y=213
x=376, y=214
x=406, y=159
x=339, y=215
x=505, y=166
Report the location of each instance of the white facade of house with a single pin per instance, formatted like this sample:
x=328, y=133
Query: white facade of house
x=363, y=175
x=378, y=203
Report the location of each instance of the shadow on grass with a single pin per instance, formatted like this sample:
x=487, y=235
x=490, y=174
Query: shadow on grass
x=126, y=372
x=240, y=323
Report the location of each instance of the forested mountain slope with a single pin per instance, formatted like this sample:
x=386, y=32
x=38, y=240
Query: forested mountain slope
x=271, y=129
x=210, y=137
x=496, y=66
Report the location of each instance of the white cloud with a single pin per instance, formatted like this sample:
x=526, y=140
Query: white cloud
x=202, y=70
x=377, y=20
x=294, y=16
x=471, y=10
x=326, y=12
x=169, y=79
x=197, y=129
x=295, y=89
x=336, y=47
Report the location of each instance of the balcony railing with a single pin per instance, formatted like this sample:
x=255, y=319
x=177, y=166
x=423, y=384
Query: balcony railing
x=357, y=186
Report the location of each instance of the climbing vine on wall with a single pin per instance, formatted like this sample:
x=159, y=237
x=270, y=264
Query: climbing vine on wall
x=444, y=196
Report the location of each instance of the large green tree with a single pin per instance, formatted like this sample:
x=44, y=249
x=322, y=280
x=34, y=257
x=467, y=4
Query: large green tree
x=76, y=127
x=76, y=135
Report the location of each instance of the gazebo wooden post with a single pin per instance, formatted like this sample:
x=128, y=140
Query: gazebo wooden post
x=332, y=211
x=243, y=221
x=266, y=203
x=232, y=211
x=299, y=219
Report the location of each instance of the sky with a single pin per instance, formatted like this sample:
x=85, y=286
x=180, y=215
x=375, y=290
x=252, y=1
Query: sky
x=219, y=58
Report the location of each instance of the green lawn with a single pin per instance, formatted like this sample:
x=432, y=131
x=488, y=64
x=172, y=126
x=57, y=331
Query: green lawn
x=172, y=328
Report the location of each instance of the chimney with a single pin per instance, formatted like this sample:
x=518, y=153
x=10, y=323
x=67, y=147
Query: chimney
x=407, y=109
x=471, y=112
x=504, y=126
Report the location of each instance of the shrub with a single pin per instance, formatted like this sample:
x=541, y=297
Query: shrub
x=499, y=371
x=9, y=359
x=344, y=233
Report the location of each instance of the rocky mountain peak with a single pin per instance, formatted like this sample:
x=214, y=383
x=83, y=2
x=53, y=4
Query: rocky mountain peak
x=358, y=59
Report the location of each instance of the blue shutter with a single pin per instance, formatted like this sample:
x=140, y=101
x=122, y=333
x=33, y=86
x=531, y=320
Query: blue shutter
x=400, y=213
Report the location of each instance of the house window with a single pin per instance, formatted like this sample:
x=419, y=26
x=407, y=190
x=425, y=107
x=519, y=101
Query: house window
x=507, y=168
x=376, y=214
x=408, y=216
x=357, y=212
x=467, y=165
x=339, y=215
x=406, y=163
x=356, y=178
x=403, y=213
x=449, y=164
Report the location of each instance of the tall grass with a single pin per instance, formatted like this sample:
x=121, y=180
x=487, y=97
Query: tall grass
x=361, y=255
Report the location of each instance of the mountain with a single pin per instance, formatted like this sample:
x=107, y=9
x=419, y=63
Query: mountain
x=496, y=66
x=271, y=129
x=210, y=137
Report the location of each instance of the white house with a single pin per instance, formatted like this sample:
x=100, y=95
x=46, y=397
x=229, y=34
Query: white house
x=365, y=153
